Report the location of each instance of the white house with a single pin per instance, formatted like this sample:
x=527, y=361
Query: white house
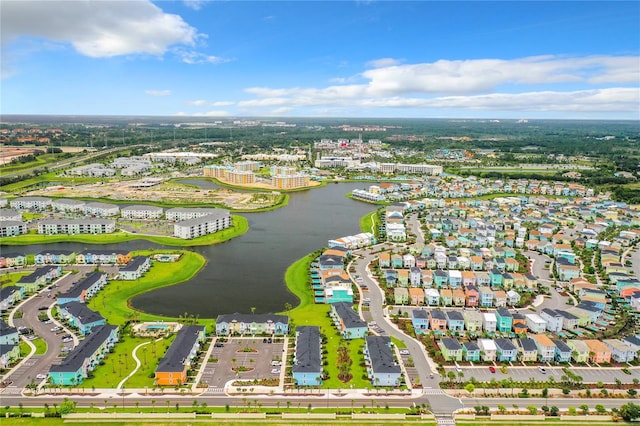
x=553, y=319
x=488, y=346
x=535, y=323
x=489, y=322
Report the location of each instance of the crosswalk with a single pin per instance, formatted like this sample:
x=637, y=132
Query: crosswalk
x=12, y=390
x=445, y=421
x=215, y=390
x=433, y=391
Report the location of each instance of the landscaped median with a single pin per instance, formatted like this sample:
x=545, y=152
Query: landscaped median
x=240, y=226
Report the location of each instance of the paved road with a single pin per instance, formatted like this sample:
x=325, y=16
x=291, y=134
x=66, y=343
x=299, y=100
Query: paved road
x=428, y=377
x=561, y=403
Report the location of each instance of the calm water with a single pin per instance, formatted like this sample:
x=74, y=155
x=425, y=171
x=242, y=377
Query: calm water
x=249, y=270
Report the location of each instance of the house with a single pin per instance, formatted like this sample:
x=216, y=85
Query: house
x=10, y=295
x=599, y=353
x=349, y=323
x=473, y=321
x=499, y=298
x=8, y=335
x=173, y=367
x=567, y=272
x=535, y=323
x=527, y=349
x=471, y=351
x=488, y=349
x=401, y=295
x=135, y=269
x=553, y=320
x=440, y=278
x=85, y=357
x=489, y=322
x=458, y=297
x=513, y=298
x=13, y=259
x=384, y=260
x=97, y=257
x=382, y=368
x=39, y=278
x=451, y=349
x=432, y=296
x=80, y=316
x=486, y=296
x=546, y=347
x=403, y=277
x=446, y=296
x=239, y=324
x=57, y=257
x=563, y=351
x=415, y=276
x=416, y=295
x=506, y=350
x=579, y=350
x=473, y=296
x=455, y=278
x=408, y=261
x=437, y=320
x=336, y=294
x=455, y=321
x=620, y=351
x=396, y=261
x=633, y=342
x=307, y=364
x=391, y=277
x=420, y=320
x=505, y=320
x=8, y=355
x=569, y=321
x=84, y=289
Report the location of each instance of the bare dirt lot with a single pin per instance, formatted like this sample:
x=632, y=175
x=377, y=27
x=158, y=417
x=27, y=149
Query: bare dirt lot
x=169, y=192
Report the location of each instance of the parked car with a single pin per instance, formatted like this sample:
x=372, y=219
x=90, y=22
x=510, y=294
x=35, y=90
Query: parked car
x=542, y=370
x=41, y=376
x=492, y=369
x=56, y=328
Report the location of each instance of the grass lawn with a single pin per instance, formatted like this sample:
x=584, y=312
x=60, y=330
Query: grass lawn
x=10, y=278
x=40, y=161
x=41, y=346
x=240, y=227
x=308, y=313
x=370, y=222
x=119, y=364
x=26, y=216
x=113, y=301
x=47, y=179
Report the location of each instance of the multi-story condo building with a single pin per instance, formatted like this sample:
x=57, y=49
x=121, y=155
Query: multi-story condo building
x=12, y=215
x=141, y=212
x=9, y=228
x=290, y=181
x=66, y=205
x=101, y=209
x=307, y=365
x=197, y=227
x=181, y=213
x=76, y=226
x=31, y=203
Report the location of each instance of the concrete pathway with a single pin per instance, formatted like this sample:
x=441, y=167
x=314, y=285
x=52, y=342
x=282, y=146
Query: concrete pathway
x=137, y=360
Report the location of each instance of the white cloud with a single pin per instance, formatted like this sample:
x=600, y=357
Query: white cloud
x=203, y=103
x=195, y=4
x=158, y=92
x=98, y=28
x=215, y=113
x=383, y=62
x=476, y=84
x=193, y=57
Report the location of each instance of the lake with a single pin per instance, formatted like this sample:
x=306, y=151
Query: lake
x=248, y=271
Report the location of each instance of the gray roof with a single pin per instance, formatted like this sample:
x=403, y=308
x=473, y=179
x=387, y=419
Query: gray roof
x=83, y=314
x=179, y=350
x=562, y=346
x=308, y=357
x=84, y=350
x=455, y=315
x=220, y=214
x=134, y=264
x=567, y=315
x=550, y=312
x=451, y=344
x=6, y=348
x=5, y=329
x=68, y=201
x=350, y=318
x=438, y=314
x=137, y=207
x=504, y=312
x=9, y=212
x=58, y=222
x=380, y=354
x=633, y=340
x=39, y=272
x=82, y=285
x=471, y=346
x=504, y=344
x=195, y=210
x=10, y=223
x=420, y=313
x=5, y=292
x=528, y=344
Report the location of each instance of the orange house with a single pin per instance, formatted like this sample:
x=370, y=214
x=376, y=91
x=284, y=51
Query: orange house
x=123, y=258
x=172, y=369
x=598, y=351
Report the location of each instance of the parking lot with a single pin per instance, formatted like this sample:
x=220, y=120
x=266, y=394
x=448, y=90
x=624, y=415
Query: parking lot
x=243, y=359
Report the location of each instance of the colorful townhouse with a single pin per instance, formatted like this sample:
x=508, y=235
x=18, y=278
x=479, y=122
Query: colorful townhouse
x=506, y=350
x=563, y=351
x=173, y=367
x=10, y=295
x=253, y=324
x=382, y=368
x=348, y=322
x=39, y=278
x=135, y=268
x=620, y=352
x=437, y=320
x=81, y=317
x=527, y=349
x=599, y=353
x=504, y=320
x=84, y=289
x=455, y=321
x=488, y=349
x=85, y=357
x=401, y=295
x=57, y=257
x=489, y=322
x=451, y=349
x=307, y=363
x=546, y=347
x=473, y=321
x=579, y=350
x=471, y=351
x=420, y=320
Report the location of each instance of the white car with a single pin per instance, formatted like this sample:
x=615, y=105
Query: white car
x=41, y=376
x=275, y=371
x=54, y=329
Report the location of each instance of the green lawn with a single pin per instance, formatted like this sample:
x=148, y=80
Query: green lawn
x=41, y=346
x=370, y=222
x=47, y=179
x=240, y=227
x=308, y=313
x=113, y=301
x=119, y=364
x=10, y=278
x=40, y=161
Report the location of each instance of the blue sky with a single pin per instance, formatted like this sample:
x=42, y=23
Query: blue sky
x=329, y=59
